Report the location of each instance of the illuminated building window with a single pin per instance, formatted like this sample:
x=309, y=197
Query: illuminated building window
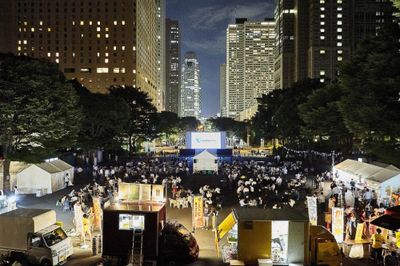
x=73, y=23
x=322, y=16
x=106, y=54
x=106, y=60
x=339, y=44
x=322, y=23
x=339, y=29
x=322, y=72
x=90, y=23
x=122, y=69
x=57, y=54
x=49, y=29
x=339, y=37
x=102, y=70
x=322, y=8
x=134, y=71
x=322, y=80
x=123, y=48
x=134, y=48
x=340, y=51
x=339, y=15
x=19, y=41
x=123, y=22
x=32, y=29
x=322, y=1
x=57, y=60
x=106, y=29
x=82, y=23
x=98, y=54
x=98, y=29
x=98, y=35
x=339, y=22
x=19, y=48
x=322, y=51
x=340, y=58
x=107, y=35
x=115, y=22
x=322, y=30
x=98, y=23
x=322, y=37
x=116, y=70
x=48, y=54
x=115, y=48
x=41, y=23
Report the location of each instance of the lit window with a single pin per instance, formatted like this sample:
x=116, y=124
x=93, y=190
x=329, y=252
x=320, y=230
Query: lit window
x=49, y=29
x=90, y=23
x=123, y=22
x=339, y=37
x=40, y=23
x=322, y=30
x=339, y=22
x=134, y=48
x=122, y=69
x=107, y=35
x=340, y=58
x=98, y=54
x=98, y=29
x=322, y=16
x=322, y=23
x=106, y=54
x=322, y=51
x=340, y=51
x=19, y=48
x=57, y=60
x=339, y=44
x=116, y=70
x=106, y=60
x=339, y=15
x=134, y=71
x=82, y=23
x=322, y=8
x=322, y=80
x=339, y=1
x=106, y=29
x=322, y=37
x=322, y=72
x=57, y=54
x=339, y=29
x=102, y=70
x=115, y=48
x=115, y=22
x=123, y=48
x=98, y=35
x=98, y=23
x=48, y=54
x=322, y=1
x=81, y=35
x=33, y=29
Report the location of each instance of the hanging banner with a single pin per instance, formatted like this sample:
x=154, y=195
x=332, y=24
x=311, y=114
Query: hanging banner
x=157, y=193
x=312, y=210
x=145, y=192
x=198, y=212
x=359, y=233
x=338, y=224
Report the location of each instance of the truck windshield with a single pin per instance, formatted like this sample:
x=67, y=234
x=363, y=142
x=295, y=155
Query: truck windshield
x=54, y=237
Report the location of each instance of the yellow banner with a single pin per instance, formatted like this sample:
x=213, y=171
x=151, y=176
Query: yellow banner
x=359, y=232
x=198, y=212
x=338, y=224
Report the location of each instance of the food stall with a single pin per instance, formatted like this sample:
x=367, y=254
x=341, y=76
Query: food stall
x=273, y=236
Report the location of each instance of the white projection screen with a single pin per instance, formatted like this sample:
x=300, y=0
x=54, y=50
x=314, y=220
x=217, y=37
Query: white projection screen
x=205, y=140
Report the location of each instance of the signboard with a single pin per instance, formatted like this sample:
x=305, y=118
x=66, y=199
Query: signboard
x=157, y=193
x=205, y=140
x=131, y=222
x=78, y=219
x=359, y=233
x=198, y=212
x=96, y=213
x=312, y=210
x=145, y=192
x=338, y=224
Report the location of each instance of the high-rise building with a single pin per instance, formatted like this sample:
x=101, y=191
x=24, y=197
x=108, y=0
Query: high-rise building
x=249, y=63
x=222, y=90
x=190, y=96
x=161, y=97
x=315, y=36
x=100, y=43
x=173, y=65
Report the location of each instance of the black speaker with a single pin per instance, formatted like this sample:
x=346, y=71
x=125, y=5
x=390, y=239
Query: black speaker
x=187, y=152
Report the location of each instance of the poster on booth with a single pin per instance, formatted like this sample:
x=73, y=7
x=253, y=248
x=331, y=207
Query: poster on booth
x=338, y=224
x=312, y=210
x=198, y=212
x=157, y=193
x=395, y=200
x=359, y=233
x=145, y=192
x=78, y=216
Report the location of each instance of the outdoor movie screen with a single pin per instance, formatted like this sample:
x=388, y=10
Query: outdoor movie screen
x=205, y=140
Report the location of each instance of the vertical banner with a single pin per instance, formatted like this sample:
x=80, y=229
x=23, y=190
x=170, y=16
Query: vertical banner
x=338, y=224
x=96, y=213
x=123, y=190
x=134, y=192
x=78, y=219
x=312, y=210
x=145, y=192
x=157, y=193
x=198, y=212
x=359, y=233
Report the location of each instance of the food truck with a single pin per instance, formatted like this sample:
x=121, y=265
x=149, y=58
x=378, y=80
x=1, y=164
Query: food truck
x=274, y=236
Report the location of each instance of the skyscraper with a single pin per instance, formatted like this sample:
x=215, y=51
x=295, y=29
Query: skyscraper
x=315, y=36
x=173, y=65
x=222, y=90
x=190, y=96
x=249, y=63
x=100, y=43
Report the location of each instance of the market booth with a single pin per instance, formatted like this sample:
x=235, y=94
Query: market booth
x=271, y=236
x=383, y=179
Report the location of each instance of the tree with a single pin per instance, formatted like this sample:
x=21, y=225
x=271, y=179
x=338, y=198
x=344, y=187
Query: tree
x=168, y=122
x=396, y=3
x=141, y=122
x=104, y=118
x=231, y=126
x=322, y=118
x=189, y=123
x=39, y=111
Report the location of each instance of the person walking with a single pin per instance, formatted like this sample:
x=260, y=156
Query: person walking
x=376, y=244
x=66, y=180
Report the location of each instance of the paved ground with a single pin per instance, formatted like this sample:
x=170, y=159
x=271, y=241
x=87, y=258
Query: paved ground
x=205, y=238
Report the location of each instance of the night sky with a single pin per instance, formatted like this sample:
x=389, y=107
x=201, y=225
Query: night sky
x=203, y=25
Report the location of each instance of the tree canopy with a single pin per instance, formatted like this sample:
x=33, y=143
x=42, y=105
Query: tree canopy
x=39, y=110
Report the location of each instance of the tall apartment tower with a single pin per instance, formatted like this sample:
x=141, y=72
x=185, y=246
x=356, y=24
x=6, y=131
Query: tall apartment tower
x=249, y=63
x=173, y=65
x=190, y=95
x=222, y=90
x=315, y=36
x=100, y=43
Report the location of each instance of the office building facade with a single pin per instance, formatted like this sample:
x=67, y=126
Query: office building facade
x=249, y=63
x=315, y=36
x=100, y=43
x=190, y=94
x=173, y=65
x=222, y=90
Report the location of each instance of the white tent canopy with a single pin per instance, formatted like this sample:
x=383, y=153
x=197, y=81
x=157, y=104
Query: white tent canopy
x=205, y=161
x=48, y=177
x=384, y=179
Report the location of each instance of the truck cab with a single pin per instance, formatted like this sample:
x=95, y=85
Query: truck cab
x=50, y=246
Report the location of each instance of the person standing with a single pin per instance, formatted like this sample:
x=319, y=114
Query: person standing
x=321, y=201
x=376, y=244
x=66, y=180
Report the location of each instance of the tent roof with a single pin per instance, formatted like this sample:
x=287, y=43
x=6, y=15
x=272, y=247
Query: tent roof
x=60, y=164
x=205, y=154
x=257, y=214
x=368, y=171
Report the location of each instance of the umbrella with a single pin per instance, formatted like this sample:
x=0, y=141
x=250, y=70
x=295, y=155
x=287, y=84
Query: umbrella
x=390, y=220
